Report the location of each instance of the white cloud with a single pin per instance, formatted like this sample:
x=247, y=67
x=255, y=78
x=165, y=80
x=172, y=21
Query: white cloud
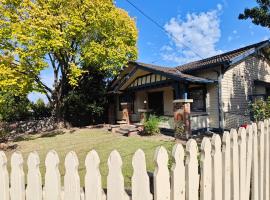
x=199, y=31
x=230, y=38
x=235, y=32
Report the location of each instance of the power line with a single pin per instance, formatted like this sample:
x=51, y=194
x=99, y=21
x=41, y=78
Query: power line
x=161, y=27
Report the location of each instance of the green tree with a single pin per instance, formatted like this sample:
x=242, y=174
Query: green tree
x=85, y=104
x=260, y=15
x=61, y=34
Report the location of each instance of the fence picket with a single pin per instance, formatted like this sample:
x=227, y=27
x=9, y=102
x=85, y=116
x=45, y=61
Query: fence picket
x=192, y=176
x=72, y=189
x=17, y=179
x=266, y=160
x=34, y=184
x=226, y=169
x=255, y=165
x=140, y=179
x=161, y=175
x=4, y=179
x=249, y=142
x=115, y=179
x=261, y=159
x=242, y=162
x=216, y=167
x=206, y=174
x=52, y=188
x=234, y=165
x=178, y=173
x=93, y=185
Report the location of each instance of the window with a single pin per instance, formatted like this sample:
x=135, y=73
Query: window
x=130, y=98
x=199, y=96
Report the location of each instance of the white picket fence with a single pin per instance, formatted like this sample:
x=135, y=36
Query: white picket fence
x=234, y=167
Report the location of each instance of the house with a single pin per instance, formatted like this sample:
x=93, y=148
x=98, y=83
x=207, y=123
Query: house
x=209, y=94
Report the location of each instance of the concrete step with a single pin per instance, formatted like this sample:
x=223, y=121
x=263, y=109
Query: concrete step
x=121, y=122
x=123, y=132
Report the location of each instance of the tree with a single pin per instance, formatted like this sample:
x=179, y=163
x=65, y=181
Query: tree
x=61, y=35
x=260, y=15
x=85, y=104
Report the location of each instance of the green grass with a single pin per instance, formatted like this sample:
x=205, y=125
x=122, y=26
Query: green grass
x=82, y=141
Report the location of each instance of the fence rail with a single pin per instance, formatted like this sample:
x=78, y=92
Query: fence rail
x=235, y=166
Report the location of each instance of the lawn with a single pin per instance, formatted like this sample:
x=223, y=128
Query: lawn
x=84, y=140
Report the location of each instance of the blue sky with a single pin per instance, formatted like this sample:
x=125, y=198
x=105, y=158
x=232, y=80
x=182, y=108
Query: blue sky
x=207, y=27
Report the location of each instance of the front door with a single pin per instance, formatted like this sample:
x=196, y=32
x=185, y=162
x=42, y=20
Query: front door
x=156, y=103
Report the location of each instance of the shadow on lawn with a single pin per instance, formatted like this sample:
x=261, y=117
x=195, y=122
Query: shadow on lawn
x=33, y=136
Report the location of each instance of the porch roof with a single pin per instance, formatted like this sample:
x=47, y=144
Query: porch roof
x=172, y=73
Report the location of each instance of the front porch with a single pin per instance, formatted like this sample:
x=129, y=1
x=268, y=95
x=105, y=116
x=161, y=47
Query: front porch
x=172, y=96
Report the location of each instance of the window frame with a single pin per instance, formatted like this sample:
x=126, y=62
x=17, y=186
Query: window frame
x=204, y=91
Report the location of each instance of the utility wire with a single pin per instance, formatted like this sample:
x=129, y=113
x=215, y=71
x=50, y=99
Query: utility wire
x=161, y=27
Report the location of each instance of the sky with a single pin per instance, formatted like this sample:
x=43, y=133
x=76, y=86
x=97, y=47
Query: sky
x=195, y=29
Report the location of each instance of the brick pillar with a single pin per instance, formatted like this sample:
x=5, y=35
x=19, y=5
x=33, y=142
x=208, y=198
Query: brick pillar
x=126, y=111
x=182, y=113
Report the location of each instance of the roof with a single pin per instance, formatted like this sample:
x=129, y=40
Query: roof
x=183, y=72
x=224, y=58
x=171, y=73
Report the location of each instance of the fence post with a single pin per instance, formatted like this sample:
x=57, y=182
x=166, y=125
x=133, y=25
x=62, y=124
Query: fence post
x=161, y=175
x=72, y=189
x=249, y=143
x=242, y=162
x=4, y=179
x=216, y=167
x=17, y=179
x=93, y=185
x=52, y=188
x=226, y=169
x=178, y=174
x=115, y=179
x=255, y=165
x=206, y=170
x=34, y=184
x=261, y=159
x=266, y=160
x=140, y=178
x=234, y=165
x=192, y=176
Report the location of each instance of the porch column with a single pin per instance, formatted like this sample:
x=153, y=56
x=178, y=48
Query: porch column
x=126, y=111
x=181, y=106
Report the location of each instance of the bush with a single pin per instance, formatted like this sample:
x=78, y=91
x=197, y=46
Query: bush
x=40, y=110
x=14, y=108
x=151, y=125
x=260, y=109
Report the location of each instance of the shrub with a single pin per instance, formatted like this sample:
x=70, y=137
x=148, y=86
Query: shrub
x=40, y=109
x=14, y=108
x=260, y=109
x=151, y=125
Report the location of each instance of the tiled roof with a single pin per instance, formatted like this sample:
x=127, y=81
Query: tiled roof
x=173, y=72
x=218, y=59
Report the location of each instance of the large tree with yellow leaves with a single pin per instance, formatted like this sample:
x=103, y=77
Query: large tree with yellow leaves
x=65, y=35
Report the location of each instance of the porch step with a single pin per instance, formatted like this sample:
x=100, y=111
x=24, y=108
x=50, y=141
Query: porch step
x=123, y=132
x=121, y=122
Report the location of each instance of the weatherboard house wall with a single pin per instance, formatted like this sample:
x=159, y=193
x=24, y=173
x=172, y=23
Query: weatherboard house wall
x=238, y=85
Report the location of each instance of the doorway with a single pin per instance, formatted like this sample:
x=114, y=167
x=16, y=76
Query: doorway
x=156, y=102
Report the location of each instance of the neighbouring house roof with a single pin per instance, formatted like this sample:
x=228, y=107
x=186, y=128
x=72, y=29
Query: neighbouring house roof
x=225, y=58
